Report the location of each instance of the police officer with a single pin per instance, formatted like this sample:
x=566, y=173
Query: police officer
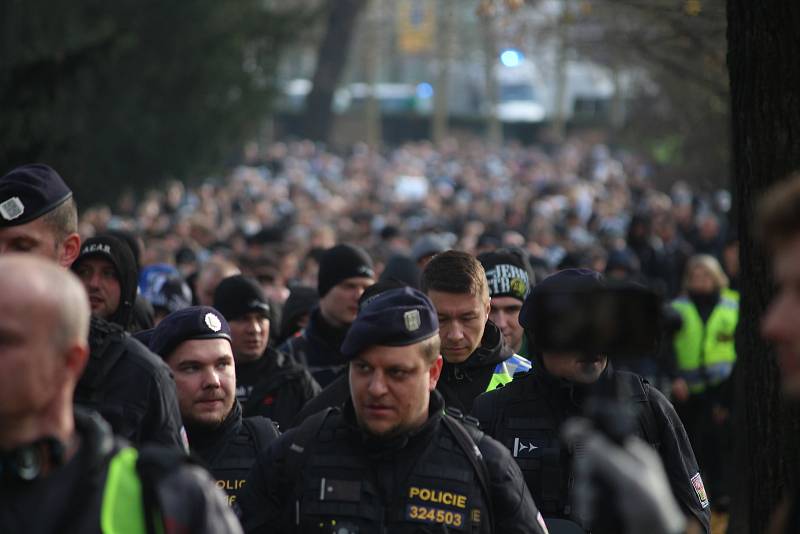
x=268, y=382
x=107, y=268
x=196, y=344
x=125, y=382
x=476, y=357
x=705, y=355
x=345, y=271
x=62, y=470
x=391, y=460
x=527, y=414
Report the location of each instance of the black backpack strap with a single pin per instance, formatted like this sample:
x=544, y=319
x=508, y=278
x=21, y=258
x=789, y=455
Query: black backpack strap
x=155, y=463
x=452, y=419
x=262, y=429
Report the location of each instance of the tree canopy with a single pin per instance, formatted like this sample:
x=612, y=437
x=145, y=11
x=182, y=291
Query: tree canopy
x=120, y=93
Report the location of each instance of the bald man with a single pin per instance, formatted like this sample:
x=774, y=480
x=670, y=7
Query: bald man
x=55, y=461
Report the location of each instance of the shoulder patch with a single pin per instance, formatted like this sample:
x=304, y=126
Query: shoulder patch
x=700, y=490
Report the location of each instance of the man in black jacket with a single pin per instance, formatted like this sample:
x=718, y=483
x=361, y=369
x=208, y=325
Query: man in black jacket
x=526, y=416
x=63, y=471
x=392, y=460
x=107, y=268
x=268, y=383
x=476, y=357
x=345, y=271
x=196, y=344
x=130, y=386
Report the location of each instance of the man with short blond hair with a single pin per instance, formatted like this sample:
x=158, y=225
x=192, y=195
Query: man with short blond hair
x=476, y=356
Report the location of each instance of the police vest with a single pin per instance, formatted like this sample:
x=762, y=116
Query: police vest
x=504, y=371
x=337, y=491
x=232, y=463
x=706, y=352
x=122, y=511
x=529, y=426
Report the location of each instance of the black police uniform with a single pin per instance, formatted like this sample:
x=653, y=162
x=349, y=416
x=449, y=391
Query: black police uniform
x=229, y=450
x=317, y=347
x=70, y=499
x=130, y=387
x=327, y=476
x=526, y=416
x=274, y=386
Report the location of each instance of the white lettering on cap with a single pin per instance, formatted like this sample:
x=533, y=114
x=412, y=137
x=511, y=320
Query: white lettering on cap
x=96, y=247
x=12, y=208
x=213, y=322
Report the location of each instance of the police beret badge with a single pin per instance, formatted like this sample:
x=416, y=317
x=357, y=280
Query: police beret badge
x=412, y=320
x=213, y=322
x=12, y=208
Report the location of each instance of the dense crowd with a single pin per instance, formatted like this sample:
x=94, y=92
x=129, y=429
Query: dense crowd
x=379, y=309
x=576, y=204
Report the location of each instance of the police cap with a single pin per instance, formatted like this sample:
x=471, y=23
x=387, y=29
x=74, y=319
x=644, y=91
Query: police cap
x=194, y=322
x=30, y=191
x=394, y=318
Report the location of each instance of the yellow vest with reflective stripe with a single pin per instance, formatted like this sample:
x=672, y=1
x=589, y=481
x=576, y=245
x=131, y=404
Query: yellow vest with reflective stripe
x=122, y=511
x=504, y=371
x=706, y=352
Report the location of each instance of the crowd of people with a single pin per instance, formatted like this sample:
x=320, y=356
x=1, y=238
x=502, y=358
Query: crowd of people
x=317, y=328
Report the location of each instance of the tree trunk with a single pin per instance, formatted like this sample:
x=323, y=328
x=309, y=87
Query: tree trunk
x=444, y=50
x=494, y=129
x=376, y=35
x=331, y=61
x=765, y=112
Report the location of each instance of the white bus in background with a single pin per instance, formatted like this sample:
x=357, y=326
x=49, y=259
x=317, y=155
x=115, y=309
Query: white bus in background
x=519, y=92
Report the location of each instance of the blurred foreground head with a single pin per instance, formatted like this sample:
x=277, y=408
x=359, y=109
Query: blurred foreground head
x=778, y=225
x=44, y=347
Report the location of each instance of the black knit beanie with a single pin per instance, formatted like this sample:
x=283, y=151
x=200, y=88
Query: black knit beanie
x=506, y=275
x=239, y=295
x=340, y=263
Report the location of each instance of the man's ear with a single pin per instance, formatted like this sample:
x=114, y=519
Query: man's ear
x=69, y=249
x=77, y=355
x=435, y=372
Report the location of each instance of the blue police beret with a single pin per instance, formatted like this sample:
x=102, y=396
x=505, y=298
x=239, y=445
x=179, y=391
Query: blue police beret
x=568, y=280
x=194, y=322
x=30, y=191
x=395, y=318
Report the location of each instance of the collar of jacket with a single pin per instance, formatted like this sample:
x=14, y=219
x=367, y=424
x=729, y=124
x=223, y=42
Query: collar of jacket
x=573, y=392
x=491, y=351
x=320, y=331
x=205, y=441
x=377, y=446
